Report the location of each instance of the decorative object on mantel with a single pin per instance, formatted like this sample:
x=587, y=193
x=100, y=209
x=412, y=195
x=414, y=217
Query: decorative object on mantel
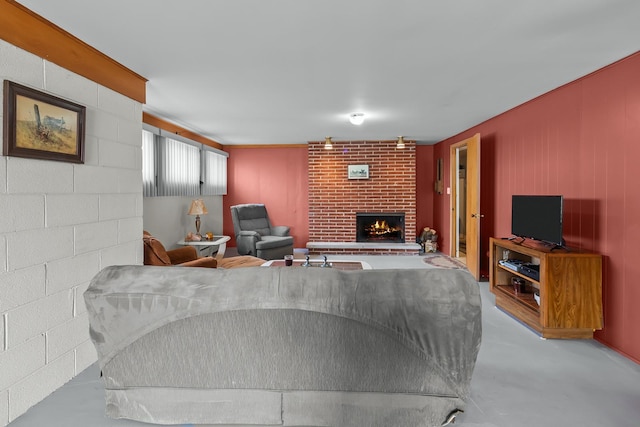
x=358, y=171
x=327, y=143
x=356, y=118
x=197, y=208
x=400, y=144
x=42, y=126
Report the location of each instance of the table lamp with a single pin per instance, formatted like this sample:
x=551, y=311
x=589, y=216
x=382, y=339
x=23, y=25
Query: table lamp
x=197, y=208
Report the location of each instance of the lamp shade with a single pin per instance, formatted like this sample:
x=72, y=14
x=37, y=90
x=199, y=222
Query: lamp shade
x=197, y=207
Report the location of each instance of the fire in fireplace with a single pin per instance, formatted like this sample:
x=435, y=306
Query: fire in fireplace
x=379, y=227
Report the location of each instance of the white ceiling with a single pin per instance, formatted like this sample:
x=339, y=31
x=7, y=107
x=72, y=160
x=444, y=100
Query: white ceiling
x=291, y=71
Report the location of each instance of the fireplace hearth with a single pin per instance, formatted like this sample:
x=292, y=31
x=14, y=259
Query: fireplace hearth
x=380, y=227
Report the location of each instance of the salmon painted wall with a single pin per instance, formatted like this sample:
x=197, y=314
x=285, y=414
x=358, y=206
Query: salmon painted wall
x=255, y=175
x=425, y=180
x=582, y=141
x=275, y=176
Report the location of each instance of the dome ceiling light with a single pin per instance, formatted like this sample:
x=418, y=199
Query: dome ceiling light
x=356, y=118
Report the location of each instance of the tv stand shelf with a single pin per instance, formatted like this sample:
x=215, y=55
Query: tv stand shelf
x=526, y=299
x=570, y=288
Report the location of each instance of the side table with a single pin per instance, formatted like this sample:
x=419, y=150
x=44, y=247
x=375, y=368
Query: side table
x=208, y=245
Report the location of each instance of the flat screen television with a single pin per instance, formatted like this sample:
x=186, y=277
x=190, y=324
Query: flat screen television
x=537, y=217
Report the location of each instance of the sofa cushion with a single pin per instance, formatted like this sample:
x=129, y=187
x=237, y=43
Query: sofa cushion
x=269, y=242
x=154, y=252
x=240, y=261
x=182, y=255
x=256, y=224
x=207, y=261
x=254, y=217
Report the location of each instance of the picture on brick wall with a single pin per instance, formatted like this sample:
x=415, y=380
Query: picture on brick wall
x=42, y=126
x=358, y=171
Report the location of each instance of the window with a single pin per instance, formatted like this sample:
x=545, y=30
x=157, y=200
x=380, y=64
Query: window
x=214, y=182
x=179, y=172
x=148, y=163
x=175, y=166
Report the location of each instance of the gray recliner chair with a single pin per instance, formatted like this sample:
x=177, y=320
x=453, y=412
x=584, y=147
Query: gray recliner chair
x=256, y=236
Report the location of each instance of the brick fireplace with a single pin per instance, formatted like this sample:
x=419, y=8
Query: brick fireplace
x=380, y=227
x=334, y=199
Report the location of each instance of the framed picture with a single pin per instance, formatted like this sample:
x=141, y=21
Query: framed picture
x=358, y=171
x=42, y=126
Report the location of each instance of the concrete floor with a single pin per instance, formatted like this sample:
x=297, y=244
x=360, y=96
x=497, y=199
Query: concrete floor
x=520, y=380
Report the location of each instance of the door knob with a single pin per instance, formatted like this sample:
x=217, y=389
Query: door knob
x=477, y=216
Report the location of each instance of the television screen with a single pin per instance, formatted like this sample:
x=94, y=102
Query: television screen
x=537, y=217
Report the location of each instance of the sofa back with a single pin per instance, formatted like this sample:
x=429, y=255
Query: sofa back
x=167, y=333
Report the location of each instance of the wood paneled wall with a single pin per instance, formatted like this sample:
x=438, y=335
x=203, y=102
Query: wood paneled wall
x=582, y=141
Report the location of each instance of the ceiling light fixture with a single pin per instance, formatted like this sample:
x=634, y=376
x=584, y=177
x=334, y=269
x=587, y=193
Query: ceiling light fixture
x=327, y=143
x=400, y=142
x=356, y=118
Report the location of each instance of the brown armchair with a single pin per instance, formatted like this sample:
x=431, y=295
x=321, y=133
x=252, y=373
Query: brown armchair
x=187, y=256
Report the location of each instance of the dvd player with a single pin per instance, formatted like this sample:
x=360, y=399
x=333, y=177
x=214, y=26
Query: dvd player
x=511, y=264
x=532, y=271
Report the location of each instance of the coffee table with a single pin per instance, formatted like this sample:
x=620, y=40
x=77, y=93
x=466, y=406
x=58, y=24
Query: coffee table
x=315, y=263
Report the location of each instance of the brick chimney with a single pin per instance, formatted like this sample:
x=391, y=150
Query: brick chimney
x=334, y=199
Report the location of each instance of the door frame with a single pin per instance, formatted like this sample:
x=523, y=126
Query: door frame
x=473, y=215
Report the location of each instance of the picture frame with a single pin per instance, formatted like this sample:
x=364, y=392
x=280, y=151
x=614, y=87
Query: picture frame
x=42, y=126
x=358, y=171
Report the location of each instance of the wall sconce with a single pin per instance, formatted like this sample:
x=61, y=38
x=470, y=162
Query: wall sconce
x=356, y=118
x=400, y=142
x=327, y=143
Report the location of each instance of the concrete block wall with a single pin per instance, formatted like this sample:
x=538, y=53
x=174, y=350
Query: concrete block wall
x=60, y=223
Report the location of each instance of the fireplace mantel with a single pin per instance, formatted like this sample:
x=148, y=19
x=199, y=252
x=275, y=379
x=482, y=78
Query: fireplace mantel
x=362, y=248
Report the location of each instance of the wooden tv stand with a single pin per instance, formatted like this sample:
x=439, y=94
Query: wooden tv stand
x=570, y=288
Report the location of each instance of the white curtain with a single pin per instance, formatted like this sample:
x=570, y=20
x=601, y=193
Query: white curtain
x=148, y=164
x=214, y=182
x=179, y=171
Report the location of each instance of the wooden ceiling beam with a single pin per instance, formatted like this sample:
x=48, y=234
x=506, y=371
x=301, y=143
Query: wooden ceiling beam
x=29, y=31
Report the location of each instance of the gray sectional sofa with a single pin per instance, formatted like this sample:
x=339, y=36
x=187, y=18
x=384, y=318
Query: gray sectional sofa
x=285, y=346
